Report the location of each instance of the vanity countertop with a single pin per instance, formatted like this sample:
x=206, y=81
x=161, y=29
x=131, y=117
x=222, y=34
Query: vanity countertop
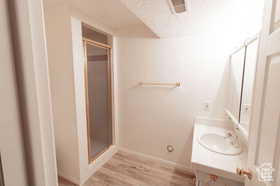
x=214, y=163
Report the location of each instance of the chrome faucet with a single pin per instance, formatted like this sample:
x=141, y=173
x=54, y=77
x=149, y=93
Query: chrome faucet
x=232, y=137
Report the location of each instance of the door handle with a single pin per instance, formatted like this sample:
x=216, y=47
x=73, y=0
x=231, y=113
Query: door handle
x=246, y=173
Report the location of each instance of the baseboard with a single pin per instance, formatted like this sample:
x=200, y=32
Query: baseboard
x=98, y=163
x=176, y=165
x=72, y=180
x=65, y=181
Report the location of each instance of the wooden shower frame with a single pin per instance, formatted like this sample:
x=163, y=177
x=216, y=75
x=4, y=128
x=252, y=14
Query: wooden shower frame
x=86, y=42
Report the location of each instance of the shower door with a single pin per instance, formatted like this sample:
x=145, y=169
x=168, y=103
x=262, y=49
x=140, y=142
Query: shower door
x=98, y=97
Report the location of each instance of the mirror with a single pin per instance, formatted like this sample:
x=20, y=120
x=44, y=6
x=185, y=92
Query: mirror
x=248, y=84
x=242, y=69
x=235, y=82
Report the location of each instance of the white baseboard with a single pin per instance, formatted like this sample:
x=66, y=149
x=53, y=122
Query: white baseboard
x=70, y=179
x=176, y=165
x=99, y=162
x=92, y=168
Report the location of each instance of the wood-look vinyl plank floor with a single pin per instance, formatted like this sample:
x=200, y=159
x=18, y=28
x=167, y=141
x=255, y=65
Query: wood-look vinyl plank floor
x=126, y=169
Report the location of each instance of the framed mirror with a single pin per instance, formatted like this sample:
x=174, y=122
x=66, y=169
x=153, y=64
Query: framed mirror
x=236, y=67
x=248, y=84
x=242, y=67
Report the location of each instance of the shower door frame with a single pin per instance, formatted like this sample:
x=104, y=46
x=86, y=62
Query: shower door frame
x=86, y=42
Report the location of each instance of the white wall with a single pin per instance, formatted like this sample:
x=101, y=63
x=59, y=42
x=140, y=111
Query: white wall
x=151, y=118
x=59, y=44
x=66, y=62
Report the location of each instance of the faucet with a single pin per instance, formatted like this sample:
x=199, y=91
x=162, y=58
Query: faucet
x=229, y=134
x=232, y=137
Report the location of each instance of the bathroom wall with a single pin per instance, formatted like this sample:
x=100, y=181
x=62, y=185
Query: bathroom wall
x=152, y=118
x=149, y=118
x=58, y=31
x=66, y=65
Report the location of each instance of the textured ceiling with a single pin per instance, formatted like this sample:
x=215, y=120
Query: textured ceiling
x=111, y=13
x=154, y=18
x=201, y=15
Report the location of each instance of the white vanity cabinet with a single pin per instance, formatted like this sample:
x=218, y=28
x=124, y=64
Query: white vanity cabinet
x=206, y=179
x=213, y=168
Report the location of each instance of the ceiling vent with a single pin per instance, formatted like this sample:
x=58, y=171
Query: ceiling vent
x=177, y=6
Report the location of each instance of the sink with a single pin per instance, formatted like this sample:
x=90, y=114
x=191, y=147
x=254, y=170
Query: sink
x=220, y=144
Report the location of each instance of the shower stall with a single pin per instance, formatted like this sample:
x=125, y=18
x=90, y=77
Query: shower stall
x=98, y=91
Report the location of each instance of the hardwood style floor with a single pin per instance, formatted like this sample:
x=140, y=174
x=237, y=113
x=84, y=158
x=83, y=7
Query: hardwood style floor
x=130, y=170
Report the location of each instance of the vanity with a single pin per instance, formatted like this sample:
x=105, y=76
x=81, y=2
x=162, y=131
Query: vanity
x=219, y=148
x=216, y=155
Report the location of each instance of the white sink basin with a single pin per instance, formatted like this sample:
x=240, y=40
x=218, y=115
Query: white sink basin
x=220, y=144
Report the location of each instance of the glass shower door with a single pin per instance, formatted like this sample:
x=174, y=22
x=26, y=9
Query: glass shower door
x=98, y=98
